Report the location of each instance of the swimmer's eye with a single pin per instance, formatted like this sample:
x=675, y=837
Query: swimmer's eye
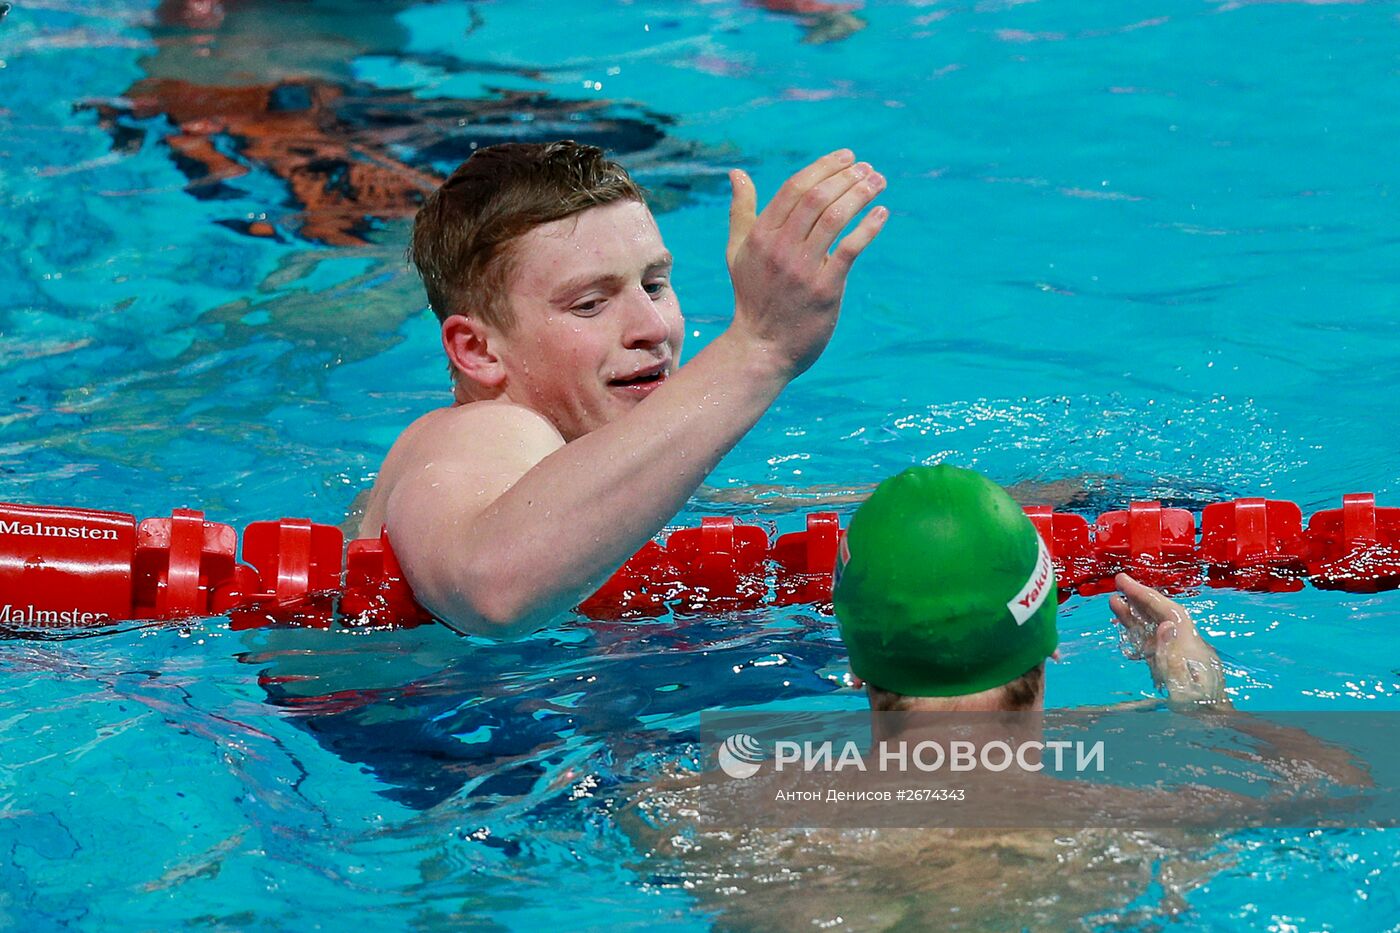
x=655, y=289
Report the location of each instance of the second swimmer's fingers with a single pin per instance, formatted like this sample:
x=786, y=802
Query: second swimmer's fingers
x=1154, y=605
x=1124, y=615
x=1145, y=597
x=851, y=246
x=1119, y=606
x=777, y=211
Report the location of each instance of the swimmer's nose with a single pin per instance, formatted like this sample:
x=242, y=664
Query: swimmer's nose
x=647, y=324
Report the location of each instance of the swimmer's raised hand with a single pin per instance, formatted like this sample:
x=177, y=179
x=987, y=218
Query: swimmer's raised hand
x=788, y=281
x=1163, y=634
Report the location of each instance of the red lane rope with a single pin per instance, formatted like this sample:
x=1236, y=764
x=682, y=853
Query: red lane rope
x=74, y=568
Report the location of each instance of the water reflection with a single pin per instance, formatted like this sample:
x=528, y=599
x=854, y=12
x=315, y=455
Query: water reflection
x=432, y=715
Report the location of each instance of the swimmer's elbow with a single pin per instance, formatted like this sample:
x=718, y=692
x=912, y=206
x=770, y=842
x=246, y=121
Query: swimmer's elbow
x=483, y=604
x=474, y=588
x=492, y=616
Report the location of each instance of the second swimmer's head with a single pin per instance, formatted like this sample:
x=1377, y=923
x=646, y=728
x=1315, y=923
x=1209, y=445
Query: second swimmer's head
x=945, y=595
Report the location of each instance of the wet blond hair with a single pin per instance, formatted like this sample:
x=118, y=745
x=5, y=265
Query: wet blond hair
x=463, y=234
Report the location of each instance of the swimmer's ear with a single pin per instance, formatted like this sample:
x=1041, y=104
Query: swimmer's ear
x=468, y=344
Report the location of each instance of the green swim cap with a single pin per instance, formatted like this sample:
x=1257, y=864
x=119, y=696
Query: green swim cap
x=943, y=587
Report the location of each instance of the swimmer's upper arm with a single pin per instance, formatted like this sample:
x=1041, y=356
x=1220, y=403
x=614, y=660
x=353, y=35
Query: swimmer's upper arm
x=451, y=476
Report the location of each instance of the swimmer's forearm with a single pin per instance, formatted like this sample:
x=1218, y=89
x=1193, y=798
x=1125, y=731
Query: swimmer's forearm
x=556, y=535
x=1300, y=756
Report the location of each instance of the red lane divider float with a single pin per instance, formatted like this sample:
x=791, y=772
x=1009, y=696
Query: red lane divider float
x=376, y=592
x=803, y=561
x=1255, y=544
x=1356, y=547
x=179, y=561
x=1148, y=541
x=74, y=568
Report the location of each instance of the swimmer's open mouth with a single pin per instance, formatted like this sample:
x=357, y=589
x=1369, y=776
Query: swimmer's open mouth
x=645, y=377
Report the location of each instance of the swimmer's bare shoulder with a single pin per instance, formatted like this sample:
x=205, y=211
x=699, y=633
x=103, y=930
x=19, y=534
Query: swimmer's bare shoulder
x=449, y=466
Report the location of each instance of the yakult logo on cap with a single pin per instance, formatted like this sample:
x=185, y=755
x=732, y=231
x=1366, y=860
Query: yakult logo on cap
x=1025, y=603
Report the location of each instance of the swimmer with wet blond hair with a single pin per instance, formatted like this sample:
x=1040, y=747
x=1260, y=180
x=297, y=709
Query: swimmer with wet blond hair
x=574, y=433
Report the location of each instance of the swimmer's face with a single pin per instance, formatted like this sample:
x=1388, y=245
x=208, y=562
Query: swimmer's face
x=597, y=326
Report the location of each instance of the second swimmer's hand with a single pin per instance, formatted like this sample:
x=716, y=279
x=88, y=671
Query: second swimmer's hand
x=788, y=281
x=1161, y=631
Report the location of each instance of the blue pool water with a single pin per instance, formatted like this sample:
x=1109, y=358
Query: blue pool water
x=1150, y=242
